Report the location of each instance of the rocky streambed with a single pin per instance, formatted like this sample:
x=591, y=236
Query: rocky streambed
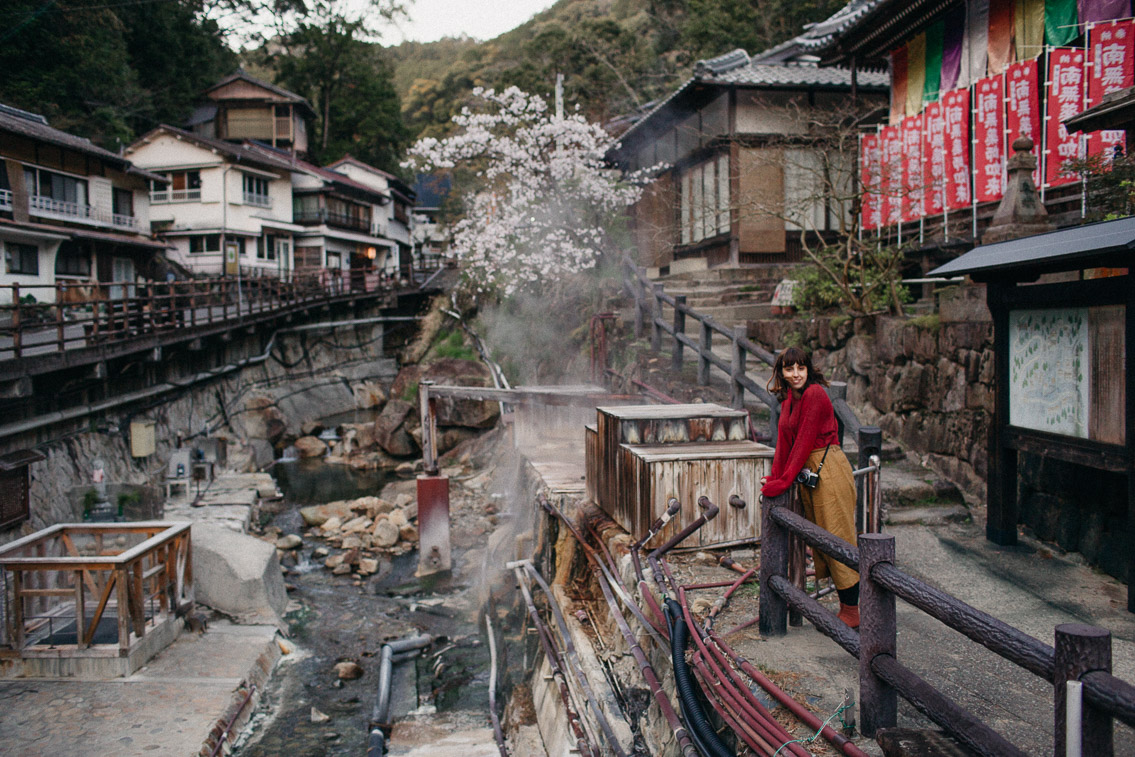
x=349, y=568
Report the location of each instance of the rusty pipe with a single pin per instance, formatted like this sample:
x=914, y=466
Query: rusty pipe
x=840, y=741
x=681, y=735
x=709, y=512
x=229, y=725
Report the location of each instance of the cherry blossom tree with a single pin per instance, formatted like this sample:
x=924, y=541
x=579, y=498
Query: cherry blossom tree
x=543, y=199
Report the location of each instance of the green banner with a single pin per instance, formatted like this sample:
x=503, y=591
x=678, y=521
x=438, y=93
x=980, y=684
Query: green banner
x=1060, y=26
x=933, y=82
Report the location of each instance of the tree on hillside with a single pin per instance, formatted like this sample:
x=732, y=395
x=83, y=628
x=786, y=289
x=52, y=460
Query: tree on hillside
x=326, y=57
x=107, y=71
x=543, y=201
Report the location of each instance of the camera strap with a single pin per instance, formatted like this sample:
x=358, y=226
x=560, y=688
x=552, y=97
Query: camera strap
x=822, y=459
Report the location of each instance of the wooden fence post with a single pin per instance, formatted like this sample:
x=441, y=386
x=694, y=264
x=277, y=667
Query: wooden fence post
x=737, y=400
x=656, y=320
x=773, y=610
x=679, y=328
x=706, y=348
x=870, y=442
x=1081, y=649
x=878, y=702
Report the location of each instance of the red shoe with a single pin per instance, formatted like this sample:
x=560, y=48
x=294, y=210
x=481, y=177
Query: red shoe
x=849, y=614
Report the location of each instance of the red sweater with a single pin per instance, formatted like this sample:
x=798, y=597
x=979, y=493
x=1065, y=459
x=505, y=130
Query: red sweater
x=805, y=424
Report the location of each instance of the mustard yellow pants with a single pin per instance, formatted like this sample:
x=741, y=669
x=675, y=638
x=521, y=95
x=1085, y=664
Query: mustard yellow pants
x=831, y=506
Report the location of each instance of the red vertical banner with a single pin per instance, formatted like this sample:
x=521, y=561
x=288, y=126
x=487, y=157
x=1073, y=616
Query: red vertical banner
x=912, y=168
x=1065, y=99
x=1022, y=107
x=869, y=177
x=1111, y=67
x=955, y=114
x=933, y=159
x=891, y=175
x=989, y=139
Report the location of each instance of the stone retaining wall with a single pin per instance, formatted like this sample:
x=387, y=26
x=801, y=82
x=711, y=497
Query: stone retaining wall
x=926, y=381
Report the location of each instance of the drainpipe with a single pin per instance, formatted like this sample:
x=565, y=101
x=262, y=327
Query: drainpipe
x=376, y=745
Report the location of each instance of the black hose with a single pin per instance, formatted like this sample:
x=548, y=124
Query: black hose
x=695, y=715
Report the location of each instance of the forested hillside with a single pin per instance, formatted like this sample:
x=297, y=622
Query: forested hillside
x=616, y=55
x=111, y=71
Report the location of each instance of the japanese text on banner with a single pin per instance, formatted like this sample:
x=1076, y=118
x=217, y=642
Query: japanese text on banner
x=933, y=159
x=869, y=177
x=989, y=139
x=955, y=113
x=1111, y=67
x=891, y=153
x=912, y=168
x=1022, y=107
x=1065, y=99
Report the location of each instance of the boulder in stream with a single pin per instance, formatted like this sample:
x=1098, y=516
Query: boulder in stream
x=237, y=574
x=310, y=446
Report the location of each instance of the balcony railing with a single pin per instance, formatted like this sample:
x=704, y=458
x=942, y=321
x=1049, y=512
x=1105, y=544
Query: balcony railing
x=75, y=211
x=5, y=199
x=175, y=195
x=260, y=201
x=341, y=220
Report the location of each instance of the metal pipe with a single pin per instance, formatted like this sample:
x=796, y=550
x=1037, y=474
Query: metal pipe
x=232, y=720
x=839, y=740
x=385, y=671
x=681, y=735
x=582, y=742
x=572, y=655
x=498, y=735
x=1073, y=711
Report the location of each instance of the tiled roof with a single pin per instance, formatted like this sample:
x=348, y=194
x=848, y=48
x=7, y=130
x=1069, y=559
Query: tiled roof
x=821, y=34
x=34, y=126
x=240, y=152
x=732, y=69
x=326, y=174
x=241, y=74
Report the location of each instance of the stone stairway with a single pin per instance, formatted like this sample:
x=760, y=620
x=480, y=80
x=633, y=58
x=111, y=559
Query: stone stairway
x=730, y=296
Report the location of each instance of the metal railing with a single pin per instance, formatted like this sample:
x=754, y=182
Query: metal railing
x=342, y=220
x=259, y=200
x=1082, y=653
x=61, y=582
x=650, y=299
x=83, y=314
x=74, y=211
x=175, y=195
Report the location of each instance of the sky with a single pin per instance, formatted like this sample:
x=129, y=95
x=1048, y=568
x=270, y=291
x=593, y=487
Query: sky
x=431, y=20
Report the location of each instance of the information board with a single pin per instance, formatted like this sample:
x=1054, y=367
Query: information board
x=1049, y=370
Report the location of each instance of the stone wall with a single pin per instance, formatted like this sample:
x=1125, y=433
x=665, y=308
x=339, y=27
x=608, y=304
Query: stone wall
x=307, y=376
x=926, y=382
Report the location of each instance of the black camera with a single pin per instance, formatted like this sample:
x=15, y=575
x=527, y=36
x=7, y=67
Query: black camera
x=808, y=478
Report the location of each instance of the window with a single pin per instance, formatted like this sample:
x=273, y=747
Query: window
x=704, y=205
x=183, y=187
x=72, y=260
x=55, y=186
x=22, y=258
x=334, y=261
x=256, y=191
x=266, y=247
x=123, y=202
x=205, y=243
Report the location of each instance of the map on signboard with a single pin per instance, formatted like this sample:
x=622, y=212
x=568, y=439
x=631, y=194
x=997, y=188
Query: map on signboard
x=1048, y=370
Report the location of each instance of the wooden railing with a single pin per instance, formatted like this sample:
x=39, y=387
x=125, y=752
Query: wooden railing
x=59, y=584
x=1082, y=654
x=650, y=300
x=50, y=318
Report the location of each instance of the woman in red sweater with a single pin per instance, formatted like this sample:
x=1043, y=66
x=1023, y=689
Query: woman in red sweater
x=808, y=436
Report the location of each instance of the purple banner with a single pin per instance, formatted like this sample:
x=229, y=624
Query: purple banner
x=953, y=33
x=1103, y=10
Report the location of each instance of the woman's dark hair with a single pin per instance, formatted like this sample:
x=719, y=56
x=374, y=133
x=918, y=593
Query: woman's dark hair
x=793, y=356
